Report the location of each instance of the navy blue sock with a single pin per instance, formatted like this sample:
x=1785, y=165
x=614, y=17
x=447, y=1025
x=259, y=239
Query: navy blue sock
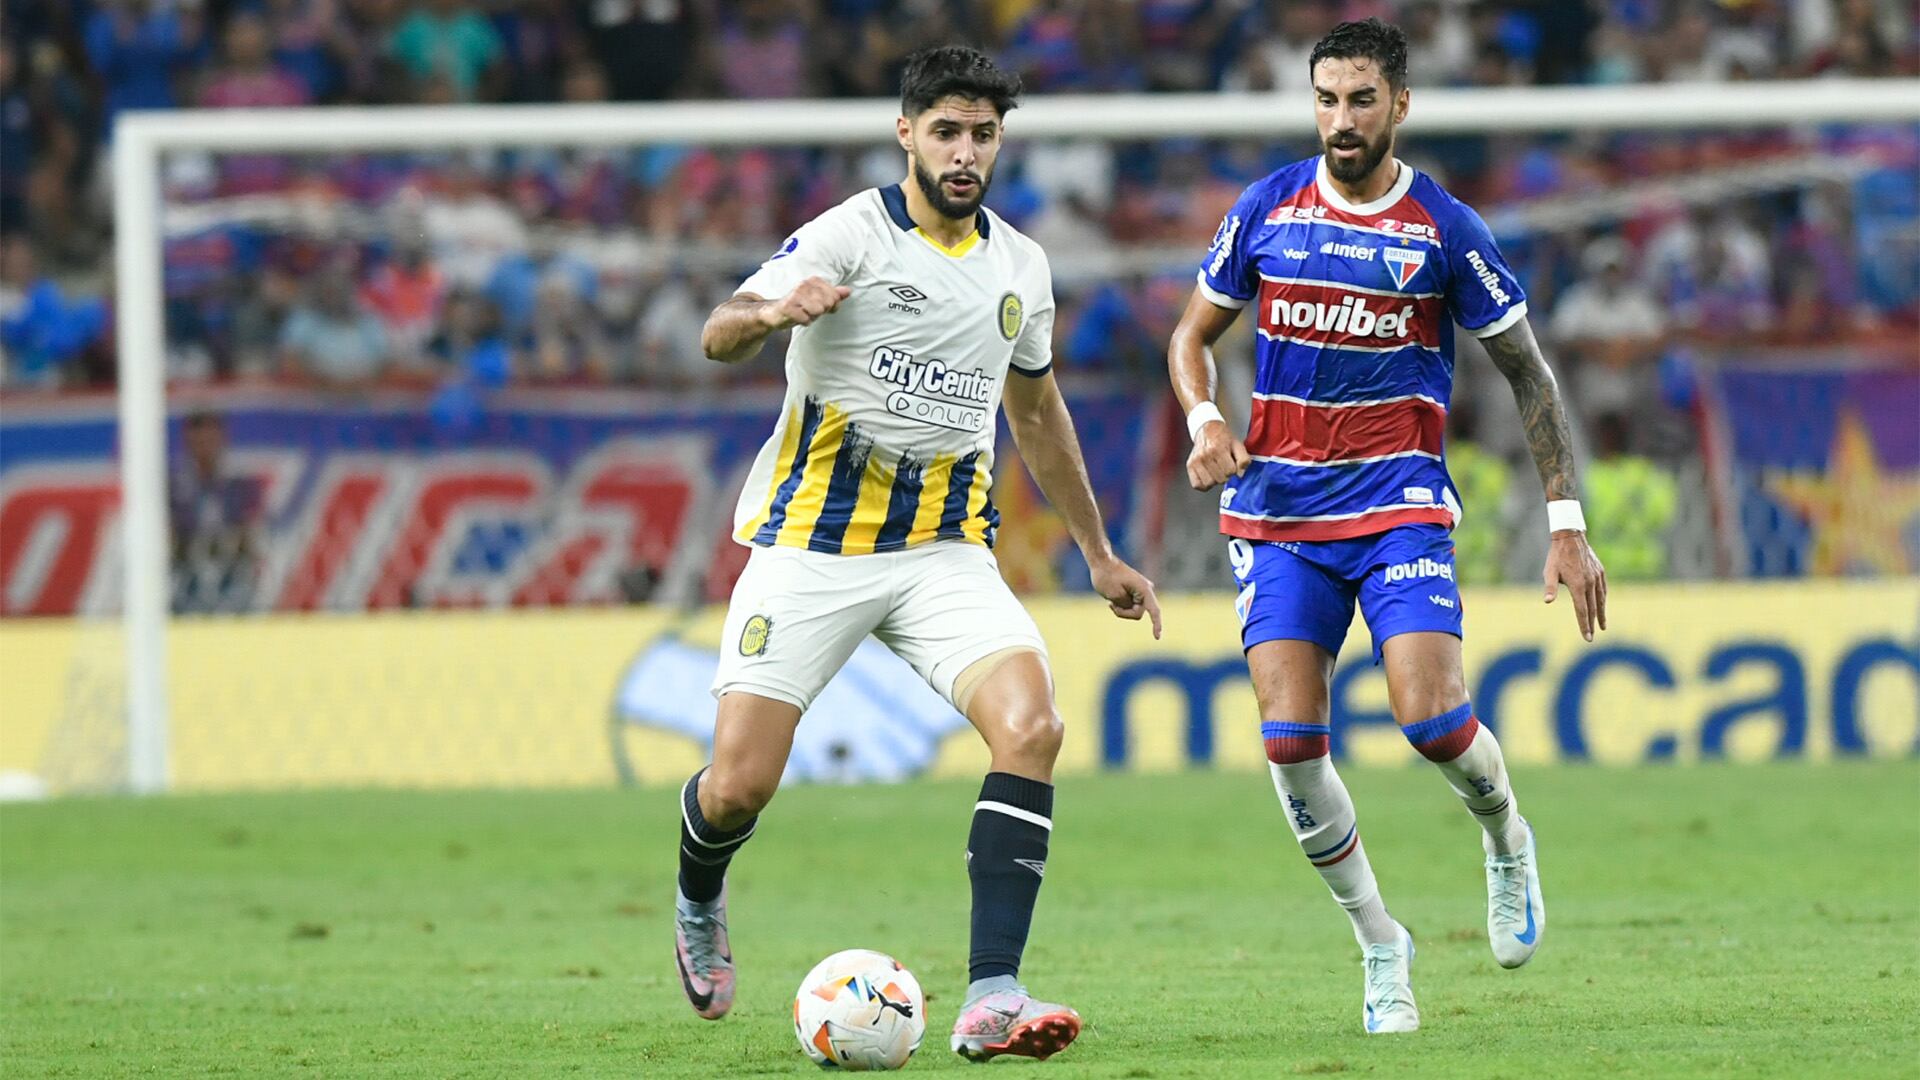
x=1006, y=859
x=705, y=850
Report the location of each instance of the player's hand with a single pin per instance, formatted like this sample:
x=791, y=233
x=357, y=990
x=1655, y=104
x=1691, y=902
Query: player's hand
x=1571, y=561
x=1216, y=455
x=808, y=301
x=1127, y=590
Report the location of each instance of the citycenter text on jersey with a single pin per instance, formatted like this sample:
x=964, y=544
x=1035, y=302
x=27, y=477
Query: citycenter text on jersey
x=933, y=390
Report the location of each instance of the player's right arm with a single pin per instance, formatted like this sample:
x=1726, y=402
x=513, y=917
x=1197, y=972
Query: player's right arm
x=796, y=285
x=1217, y=453
x=737, y=328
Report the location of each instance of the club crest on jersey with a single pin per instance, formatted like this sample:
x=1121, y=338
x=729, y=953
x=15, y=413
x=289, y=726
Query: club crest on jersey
x=1403, y=263
x=753, y=639
x=1012, y=314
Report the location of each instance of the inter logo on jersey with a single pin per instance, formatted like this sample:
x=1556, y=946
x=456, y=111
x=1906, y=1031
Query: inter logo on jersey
x=1403, y=263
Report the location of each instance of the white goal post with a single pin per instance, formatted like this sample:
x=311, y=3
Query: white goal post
x=141, y=140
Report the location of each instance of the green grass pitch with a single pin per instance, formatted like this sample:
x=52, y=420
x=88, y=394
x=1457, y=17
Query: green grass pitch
x=1711, y=921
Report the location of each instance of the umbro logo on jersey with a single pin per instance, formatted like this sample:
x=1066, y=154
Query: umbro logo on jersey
x=908, y=299
x=1403, y=263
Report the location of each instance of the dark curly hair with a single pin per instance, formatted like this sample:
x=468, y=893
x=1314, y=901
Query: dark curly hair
x=1383, y=43
x=943, y=71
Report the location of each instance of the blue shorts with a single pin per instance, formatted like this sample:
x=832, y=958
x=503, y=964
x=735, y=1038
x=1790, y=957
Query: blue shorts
x=1304, y=590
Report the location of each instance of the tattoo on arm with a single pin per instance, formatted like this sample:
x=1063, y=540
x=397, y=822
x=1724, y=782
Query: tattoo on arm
x=1542, y=413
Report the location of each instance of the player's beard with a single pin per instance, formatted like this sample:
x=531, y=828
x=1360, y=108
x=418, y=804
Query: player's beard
x=947, y=207
x=1356, y=170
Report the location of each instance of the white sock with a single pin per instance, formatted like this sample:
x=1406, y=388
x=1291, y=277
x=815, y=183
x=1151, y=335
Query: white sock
x=1320, y=812
x=1469, y=757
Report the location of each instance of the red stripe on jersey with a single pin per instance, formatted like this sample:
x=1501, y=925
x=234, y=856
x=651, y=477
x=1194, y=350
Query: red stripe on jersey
x=1302, y=432
x=1405, y=216
x=1332, y=317
x=1344, y=529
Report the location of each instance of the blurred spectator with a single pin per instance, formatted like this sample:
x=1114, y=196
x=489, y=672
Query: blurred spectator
x=1713, y=274
x=470, y=229
x=331, y=338
x=564, y=342
x=357, y=50
x=1440, y=50
x=17, y=137
x=258, y=319
x=1609, y=328
x=669, y=335
x=470, y=345
x=449, y=44
x=646, y=47
x=248, y=78
x=407, y=292
x=299, y=31
x=1630, y=502
x=761, y=50
x=42, y=333
x=1277, y=60
x=215, y=518
x=138, y=47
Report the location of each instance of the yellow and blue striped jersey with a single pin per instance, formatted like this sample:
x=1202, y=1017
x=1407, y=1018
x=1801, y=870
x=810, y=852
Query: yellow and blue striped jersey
x=886, y=437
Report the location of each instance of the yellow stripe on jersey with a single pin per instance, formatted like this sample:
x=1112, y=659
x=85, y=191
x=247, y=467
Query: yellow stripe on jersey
x=782, y=465
x=810, y=497
x=870, y=512
x=956, y=250
x=975, y=528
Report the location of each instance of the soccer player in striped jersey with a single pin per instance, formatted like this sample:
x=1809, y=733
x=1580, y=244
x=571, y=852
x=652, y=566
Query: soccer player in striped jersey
x=914, y=310
x=1355, y=266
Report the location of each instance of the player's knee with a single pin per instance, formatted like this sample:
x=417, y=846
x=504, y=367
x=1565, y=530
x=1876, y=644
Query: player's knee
x=1031, y=735
x=1411, y=706
x=730, y=799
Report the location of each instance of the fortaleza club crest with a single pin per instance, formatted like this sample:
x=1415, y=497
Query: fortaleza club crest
x=1403, y=263
x=753, y=639
x=1012, y=314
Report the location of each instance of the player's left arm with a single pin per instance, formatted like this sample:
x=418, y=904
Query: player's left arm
x=1543, y=415
x=1043, y=430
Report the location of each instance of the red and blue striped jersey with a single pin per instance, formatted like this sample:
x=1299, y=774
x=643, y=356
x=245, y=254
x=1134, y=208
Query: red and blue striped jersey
x=1354, y=306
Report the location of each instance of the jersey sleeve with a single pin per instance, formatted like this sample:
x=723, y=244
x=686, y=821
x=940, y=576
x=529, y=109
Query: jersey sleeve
x=1033, y=349
x=1227, y=275
x=1482, y=291
x=827, y=247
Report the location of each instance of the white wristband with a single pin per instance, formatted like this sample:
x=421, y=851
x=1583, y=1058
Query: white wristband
x=1564, y=514
x=1203, y=414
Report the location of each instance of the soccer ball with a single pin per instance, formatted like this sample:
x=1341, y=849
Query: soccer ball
x=859, y=1010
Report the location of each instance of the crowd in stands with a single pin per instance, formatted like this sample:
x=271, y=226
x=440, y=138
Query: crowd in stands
x=569, y=266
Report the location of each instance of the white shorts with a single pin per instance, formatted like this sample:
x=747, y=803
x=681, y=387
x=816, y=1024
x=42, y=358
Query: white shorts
x=796, y=615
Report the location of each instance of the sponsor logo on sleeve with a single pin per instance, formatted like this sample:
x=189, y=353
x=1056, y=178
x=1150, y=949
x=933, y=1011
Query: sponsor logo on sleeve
x=1488, y=278
x=792, y=245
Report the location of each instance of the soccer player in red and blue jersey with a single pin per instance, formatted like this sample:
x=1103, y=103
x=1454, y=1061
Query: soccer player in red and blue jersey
x=1354, y=266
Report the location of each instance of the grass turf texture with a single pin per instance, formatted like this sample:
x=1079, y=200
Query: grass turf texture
x=1714, y=921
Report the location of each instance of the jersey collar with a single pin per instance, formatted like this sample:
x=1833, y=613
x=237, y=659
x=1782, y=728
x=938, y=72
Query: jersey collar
x=895, y=200
x=1401, y=185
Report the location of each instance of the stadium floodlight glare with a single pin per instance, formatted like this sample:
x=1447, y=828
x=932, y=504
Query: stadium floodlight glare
x=141, y=139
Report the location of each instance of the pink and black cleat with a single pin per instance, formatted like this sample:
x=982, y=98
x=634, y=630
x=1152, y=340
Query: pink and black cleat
x=703, y=956
x=1012, y=1022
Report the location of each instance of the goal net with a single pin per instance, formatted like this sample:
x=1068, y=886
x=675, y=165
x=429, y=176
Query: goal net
x=414, y=473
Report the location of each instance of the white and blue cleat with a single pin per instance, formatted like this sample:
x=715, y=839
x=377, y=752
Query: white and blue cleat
x=1389, y=1005
x=1516, y=912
